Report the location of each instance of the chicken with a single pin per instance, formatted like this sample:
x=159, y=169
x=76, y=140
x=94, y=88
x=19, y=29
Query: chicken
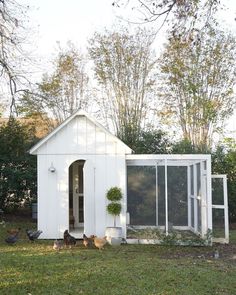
x=57, y=245
x=33, y=235
x=87, y=241
x=14, y=231
x=99, y=242
x=12, y=239
x=68, y=239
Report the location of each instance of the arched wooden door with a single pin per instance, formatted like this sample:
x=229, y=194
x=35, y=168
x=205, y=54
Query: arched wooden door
x=89, y=198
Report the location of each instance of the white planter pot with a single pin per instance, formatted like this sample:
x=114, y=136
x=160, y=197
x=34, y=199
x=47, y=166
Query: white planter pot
x=114, y=235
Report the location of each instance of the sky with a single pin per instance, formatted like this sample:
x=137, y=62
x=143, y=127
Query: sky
x=60, y=21
x=77, y=20
x=53, y=21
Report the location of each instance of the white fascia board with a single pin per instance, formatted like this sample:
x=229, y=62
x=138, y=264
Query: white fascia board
x=168, y=157
x=172, y=160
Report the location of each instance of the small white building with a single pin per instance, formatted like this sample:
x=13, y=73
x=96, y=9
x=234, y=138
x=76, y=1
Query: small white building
x=80, y=160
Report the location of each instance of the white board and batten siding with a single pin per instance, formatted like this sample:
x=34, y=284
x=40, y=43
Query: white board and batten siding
x=79, y=138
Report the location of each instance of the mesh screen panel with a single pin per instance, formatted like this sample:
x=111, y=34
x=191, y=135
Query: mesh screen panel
x=218, y=220
x=192, y=212
x=191, y=180
x=141, y=194
x=217, y=191
x=198, y=180
x=199, y=216
x=177, y=195
x=161, y=195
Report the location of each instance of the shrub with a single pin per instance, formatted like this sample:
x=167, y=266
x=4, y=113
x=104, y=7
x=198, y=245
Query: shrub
x=114, y=208
x=114, y=195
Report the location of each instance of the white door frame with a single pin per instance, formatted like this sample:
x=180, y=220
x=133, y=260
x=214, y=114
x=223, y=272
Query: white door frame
x=76, y=193
x=223, y=207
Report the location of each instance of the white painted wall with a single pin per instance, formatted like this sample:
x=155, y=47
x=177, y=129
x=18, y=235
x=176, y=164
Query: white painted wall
x=105, y=166
x=81, y=136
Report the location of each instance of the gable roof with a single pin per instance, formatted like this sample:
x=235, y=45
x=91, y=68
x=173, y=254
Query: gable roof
x=79, y=112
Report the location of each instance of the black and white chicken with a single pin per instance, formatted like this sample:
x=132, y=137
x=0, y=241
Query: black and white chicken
x=33, y=235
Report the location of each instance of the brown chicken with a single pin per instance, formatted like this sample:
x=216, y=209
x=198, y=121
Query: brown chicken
x=14, y=231
x=87, y=241
x=57, y=245
x=99, y=242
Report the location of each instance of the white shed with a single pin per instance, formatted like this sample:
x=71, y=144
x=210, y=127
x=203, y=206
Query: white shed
x=77, y=163
x=80, y=160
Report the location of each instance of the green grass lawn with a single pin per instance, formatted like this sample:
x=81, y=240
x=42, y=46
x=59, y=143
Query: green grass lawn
x=35, y=268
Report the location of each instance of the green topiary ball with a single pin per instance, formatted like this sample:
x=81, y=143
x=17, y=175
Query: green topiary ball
x=114, y=194
x=114, y=208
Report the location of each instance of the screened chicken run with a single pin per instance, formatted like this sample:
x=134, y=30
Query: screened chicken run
x=175, y=199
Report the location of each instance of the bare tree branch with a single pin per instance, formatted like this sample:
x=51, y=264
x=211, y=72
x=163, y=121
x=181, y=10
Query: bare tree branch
x=12, y=17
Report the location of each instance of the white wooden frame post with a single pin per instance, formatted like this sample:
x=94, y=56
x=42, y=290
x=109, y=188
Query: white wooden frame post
x=226, y=209
x=166, y=197
x=191, y=189
x=189, y=195
x=195, y=198
x=203, y=200
x=209, y=195
x=156, y=195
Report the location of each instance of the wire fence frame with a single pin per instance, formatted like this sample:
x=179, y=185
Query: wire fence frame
x=181, y=160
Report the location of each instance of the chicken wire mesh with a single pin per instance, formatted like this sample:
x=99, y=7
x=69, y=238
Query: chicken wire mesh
x=141, y=192
x=177, y=195
x=151, y=205
x=218, y=221
x=146, y=202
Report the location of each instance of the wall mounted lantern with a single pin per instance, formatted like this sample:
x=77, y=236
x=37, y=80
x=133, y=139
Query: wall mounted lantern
x=52, y=168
